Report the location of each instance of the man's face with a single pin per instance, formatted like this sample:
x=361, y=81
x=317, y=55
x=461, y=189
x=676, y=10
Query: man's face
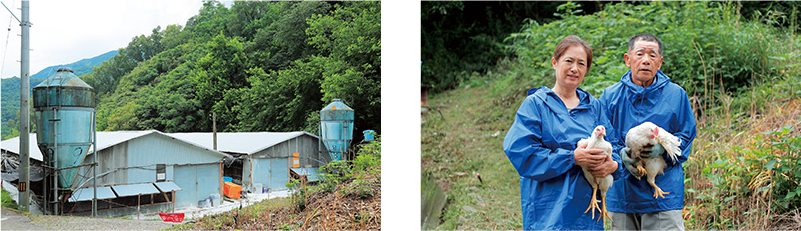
x=644, y=60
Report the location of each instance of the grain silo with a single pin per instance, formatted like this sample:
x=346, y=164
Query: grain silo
x=64, y=110
x=336, y=128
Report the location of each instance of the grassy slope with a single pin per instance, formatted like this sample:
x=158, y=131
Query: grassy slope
x=466, y=142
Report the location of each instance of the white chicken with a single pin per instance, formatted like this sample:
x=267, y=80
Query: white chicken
x=596, y=140
x=646, y=136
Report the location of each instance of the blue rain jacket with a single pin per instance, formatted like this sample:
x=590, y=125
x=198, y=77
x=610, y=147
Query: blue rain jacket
x=553, y=191
x=666, y=105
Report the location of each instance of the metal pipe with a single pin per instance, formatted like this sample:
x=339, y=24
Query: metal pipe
x=24, y=112
x=55, y=162
x=94, y=168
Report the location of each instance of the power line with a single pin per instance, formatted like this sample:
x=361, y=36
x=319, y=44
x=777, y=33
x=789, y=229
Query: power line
x=5, y=50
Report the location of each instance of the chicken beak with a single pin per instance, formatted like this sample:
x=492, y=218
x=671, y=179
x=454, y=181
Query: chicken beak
x=603, y=133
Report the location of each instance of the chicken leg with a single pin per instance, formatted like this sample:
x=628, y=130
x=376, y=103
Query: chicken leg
x=604, y=212
x=642, y=171
x=657, y=191
x=593, y=202
x=654, y=167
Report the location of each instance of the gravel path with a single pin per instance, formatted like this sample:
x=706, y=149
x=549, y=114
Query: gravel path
x=88, y=223
x=13, y=220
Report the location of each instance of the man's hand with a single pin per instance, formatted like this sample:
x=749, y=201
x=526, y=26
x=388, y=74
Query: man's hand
x=608, y=167
x=588, y=157
x=629, y=163
x=654, y=151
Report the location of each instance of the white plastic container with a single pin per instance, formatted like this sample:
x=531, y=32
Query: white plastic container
x=216, y=199
x=257, y=188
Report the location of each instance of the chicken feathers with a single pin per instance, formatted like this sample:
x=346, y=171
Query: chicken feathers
x=596, y=140
x=646, y=136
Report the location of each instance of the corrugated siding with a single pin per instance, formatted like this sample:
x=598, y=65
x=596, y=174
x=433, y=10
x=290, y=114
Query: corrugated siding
x=270, y=167
x=109, y=159
x=246, y=172
x=272, y=172
x=157, y=148
x=279, y=173
x=144, y=153
x=305, y=145
x=197, y=182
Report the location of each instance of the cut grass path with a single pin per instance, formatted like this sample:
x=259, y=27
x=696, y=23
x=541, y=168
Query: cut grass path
x=466, y=142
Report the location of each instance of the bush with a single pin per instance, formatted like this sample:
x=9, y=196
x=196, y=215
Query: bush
x=8, y=202
x=351, y=177
x=704, y=43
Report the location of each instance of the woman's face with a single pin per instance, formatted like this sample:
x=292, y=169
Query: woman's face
x=571, y=67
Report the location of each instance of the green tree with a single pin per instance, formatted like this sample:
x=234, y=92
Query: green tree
x=351, y=39
x=223, y=68
x=284, y=38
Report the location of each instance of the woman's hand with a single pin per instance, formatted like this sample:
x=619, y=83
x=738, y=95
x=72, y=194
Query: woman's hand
x=608, y=167
x=589, y=157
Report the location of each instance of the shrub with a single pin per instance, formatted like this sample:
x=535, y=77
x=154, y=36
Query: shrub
x=704, y=43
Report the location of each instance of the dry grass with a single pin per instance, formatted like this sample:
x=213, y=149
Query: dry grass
x=324, y=211
x=716, y=199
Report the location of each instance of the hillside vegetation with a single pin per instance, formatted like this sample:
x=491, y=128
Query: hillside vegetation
x=260, y=66
x=10, y=90
x=741, y=75
x=348, y=197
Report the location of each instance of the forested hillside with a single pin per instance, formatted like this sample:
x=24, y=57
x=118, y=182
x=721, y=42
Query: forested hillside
x=10, y=102
x=10, y=90
x=261, y=66
x=81, y=67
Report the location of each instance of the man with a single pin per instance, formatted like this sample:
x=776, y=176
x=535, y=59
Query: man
x=644, y=93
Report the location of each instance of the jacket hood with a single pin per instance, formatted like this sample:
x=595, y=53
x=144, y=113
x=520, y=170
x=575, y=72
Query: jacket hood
x=661, y=81
x=648, y=94
x=555, y=103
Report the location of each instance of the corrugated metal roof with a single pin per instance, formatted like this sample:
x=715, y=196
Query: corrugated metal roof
x=104, y=140
x=135, y=189
x=238, y=142
x=167, y=186
x=312, y=174
x=86, y=194
x=12, y=145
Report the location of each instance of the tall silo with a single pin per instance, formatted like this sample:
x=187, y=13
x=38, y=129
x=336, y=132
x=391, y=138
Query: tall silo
x=336, y=128
x=64, y=108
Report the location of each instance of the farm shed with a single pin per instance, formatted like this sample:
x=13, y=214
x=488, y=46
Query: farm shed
x=266, y=159
x=147, y=168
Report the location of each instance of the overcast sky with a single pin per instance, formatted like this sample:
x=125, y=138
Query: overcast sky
x=64, y=32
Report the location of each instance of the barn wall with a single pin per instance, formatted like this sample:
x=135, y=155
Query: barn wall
x=195, y=170
x=197, y=183
x=109, y=159
x=270, y=167
x=305, y=145
x=271, y=172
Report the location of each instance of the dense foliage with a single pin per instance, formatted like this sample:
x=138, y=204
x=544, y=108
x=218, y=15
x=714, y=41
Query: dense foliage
x=460, y=39
x=260, y=66
x=705, y=43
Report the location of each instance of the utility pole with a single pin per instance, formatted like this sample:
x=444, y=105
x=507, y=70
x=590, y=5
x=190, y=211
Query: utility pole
x=24, y=112
x=214, y=128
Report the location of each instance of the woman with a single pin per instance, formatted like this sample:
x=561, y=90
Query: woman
x=541, y=144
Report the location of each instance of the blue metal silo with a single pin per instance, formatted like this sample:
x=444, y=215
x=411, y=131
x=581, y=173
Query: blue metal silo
x=336, y=128
x=64, y=108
